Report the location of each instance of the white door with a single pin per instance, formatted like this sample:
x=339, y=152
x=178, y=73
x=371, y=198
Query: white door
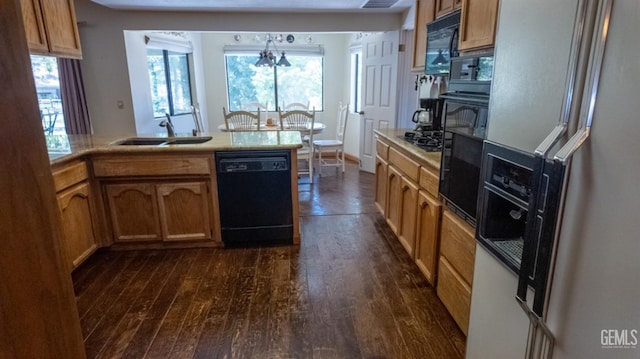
x=379, y=82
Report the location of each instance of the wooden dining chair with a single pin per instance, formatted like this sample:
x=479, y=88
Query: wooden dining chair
x=241, y=120
x=295, y=106
x=257, y=106
x=336, y=145
x=302, y=121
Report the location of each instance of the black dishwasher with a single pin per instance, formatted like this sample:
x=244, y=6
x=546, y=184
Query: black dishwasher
x=254, y=195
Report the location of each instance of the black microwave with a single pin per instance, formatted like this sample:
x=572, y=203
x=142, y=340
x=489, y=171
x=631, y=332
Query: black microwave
x=442, y=44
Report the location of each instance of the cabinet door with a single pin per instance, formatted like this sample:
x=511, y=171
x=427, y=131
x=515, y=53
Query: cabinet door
x=408, y=208
x=455, y=294
x=427, y=232
x=76, y=209
x=34, y=26
x=51, y=28
x=444, y=7
x=381, y=185
x=184, y=211
x=458, y=244
x=394, y=192
x=478, y=24
x=134, y=212
x=425, y=12
x=62, y=30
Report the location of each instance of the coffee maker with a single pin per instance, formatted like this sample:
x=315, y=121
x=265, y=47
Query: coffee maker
x=429, y=116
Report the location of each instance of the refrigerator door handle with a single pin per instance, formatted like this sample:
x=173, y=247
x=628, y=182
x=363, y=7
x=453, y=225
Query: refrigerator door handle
x=591, y=87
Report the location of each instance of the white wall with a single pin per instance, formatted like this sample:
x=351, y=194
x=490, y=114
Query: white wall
x=105, y=64
x=136, y=53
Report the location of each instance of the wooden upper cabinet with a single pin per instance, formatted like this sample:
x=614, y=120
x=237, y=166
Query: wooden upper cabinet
x=444, y=7
x=425, y=13
x=478, y=24
x=34, y=26
x=51, y=28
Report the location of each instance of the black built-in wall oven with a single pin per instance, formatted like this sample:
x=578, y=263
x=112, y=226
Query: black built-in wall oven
x=465, y=116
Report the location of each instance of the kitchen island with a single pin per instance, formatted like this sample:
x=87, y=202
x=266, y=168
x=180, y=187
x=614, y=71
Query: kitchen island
x=134, y=192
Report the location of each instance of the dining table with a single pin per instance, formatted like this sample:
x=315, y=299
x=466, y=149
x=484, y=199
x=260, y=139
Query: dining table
x=318, y=127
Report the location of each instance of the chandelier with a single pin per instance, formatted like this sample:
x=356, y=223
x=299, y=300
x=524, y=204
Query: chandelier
x=267, y=58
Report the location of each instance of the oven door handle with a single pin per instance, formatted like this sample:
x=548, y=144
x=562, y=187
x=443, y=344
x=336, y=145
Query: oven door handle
x=454, y=37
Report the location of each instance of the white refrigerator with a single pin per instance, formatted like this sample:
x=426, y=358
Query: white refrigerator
x=594, y=302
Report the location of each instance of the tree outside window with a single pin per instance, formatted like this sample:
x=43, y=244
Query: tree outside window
x=46, y=77
x=301, y=82
x=170, y=82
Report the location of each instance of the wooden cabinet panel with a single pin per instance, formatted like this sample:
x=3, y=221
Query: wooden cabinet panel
x=444, y=7
x=51, y=27
x=34, y=26
x=77, y=222
x=430, y=180
x=427, y=234
x=382, y=150
x=478, y=24
x=408, y=207
x=184, y=211
x=425, y=13
x=405, y=164
x=457, y=244
x=394, y=192
x=69, y=175
x=381, y=185
x=454, y=293
x=133, y=210
x=122, y=166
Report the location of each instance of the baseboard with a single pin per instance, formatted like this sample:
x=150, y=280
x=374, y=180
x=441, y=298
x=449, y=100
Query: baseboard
x=347, y=157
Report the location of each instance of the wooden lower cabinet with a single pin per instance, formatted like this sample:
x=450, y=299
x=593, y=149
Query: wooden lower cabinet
x=427, y=235
x=173, y=211
x=133, y=210
x=394, y=191
x=408, y=206
x=381, y=184
x=455, y=270
x=184, y=211
x=454, y=293
x=79, y=240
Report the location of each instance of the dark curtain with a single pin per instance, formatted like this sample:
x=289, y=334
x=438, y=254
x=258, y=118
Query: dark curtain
x=74, y=102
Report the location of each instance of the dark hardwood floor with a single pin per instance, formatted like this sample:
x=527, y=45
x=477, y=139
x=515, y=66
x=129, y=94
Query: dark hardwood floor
x=348, y=291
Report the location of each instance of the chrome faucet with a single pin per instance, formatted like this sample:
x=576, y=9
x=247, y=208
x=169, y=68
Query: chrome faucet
x=169, y=125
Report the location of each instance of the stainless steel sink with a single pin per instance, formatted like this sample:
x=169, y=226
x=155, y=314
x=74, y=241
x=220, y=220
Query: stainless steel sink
x=156, y=141
x=187, y=140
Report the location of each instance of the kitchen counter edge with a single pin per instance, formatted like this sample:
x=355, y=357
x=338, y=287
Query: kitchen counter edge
x=393, y=135
x=75, y=146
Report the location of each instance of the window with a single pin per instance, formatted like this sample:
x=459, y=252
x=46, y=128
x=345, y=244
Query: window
x=170, y=84
x=45, y=74
x=356, y=79
x=301, y=82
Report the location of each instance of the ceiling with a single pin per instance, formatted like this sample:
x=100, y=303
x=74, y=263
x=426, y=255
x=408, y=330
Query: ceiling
x=391, y=6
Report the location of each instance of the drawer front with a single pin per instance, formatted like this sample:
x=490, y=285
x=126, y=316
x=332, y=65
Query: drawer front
x=458, y=245
x=382, y=149
x=408, y=166
x=70, y=174
x=454, y=293
x=151, y=166
x=429, y=180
